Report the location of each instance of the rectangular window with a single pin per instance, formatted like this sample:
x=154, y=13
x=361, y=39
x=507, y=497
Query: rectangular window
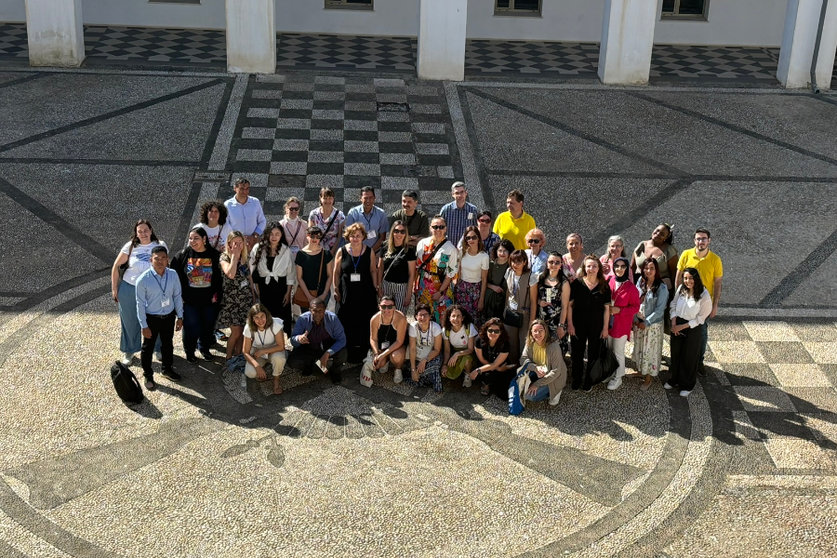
x=349, y=4
x=517, y=7
x=685, y=9
x=195, y=2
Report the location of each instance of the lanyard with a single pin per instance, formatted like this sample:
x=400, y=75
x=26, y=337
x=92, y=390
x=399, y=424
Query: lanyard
x=165, y=282
x=424, y=340
x=261, y=337
x=515, y=283
x=355, y=262
x=369, y=220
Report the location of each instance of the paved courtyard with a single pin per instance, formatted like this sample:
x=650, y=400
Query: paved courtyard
x=746, y=466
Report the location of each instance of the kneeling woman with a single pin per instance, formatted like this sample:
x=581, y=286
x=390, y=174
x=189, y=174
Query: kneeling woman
x=459, y=335
x=689, y=310
x=492, y=350
x=547, y=368
x=425, y=348
x=387, y=333
x=264, y=340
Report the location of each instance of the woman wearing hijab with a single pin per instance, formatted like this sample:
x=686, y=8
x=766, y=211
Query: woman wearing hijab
x=624, y=307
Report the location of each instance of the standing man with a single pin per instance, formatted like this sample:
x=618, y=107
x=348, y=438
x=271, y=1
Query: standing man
x=319, y=342
x=373, y=219
x=711, y=272
x=459, y=213
x=536, y=252
x=418, y=225
x=244, y=213
x=514, y=223
x=160, y=313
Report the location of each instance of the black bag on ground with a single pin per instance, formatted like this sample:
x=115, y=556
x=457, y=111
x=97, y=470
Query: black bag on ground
x=126, y=384
x=604, y=366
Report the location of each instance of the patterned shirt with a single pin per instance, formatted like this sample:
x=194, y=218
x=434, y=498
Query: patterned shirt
x=459, y=219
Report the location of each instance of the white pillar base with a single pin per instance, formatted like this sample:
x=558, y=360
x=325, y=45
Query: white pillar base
x=55, y=33
x=251, y=37
x=627, y=41
x=798, y=40
x=441, y=39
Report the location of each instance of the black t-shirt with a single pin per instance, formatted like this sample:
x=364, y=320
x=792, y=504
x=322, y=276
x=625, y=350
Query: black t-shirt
x=588, y=306
x=199, y=274
x=396, y=266
x=490, y=353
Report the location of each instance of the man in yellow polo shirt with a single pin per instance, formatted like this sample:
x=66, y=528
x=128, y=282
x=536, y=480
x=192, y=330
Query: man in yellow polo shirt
x=711, y=272
x=514, y=223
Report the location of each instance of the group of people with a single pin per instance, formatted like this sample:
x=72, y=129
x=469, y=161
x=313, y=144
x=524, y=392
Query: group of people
x=489, y=300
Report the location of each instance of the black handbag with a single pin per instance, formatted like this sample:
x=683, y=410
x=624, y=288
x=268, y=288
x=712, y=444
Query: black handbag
x=512, y=318
x=604, y=366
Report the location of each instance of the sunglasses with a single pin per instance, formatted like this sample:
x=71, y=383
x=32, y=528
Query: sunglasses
x=494, y=331
x=293, y=209
x=534, y=241
x=552, y=262
x=399, y=231
x=438, y=227
x=484, y=220
x=387, y=306
x=470, y=238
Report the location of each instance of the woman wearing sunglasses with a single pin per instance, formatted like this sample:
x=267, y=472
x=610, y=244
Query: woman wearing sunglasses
x=396, y=266
x=296, y=229
x=313, y=270
x=492, y=351
x=387, y=336
x=437, y=263
x=473, y=274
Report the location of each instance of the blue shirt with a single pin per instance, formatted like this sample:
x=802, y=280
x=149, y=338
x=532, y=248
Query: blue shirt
x=377, y=222
x=247, y=218
x=332, y=326
x=158, y=295
x=459, y=219
x=537, y=263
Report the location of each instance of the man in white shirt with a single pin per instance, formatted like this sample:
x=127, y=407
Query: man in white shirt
x=244, y=212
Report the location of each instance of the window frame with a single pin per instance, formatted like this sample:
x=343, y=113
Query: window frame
x=517, y=12
x=344, y=5
x=177, y=2
x=685, y=17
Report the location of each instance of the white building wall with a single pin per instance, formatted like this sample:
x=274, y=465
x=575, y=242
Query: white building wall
x=731, y=22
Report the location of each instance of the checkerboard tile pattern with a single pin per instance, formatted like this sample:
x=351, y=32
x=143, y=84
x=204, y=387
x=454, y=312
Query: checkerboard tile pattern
x=714, y=62
x=13, y=40
x=531, y=57
x=191, y=46
x=298, y=133
x=785, y=388
x=297, y=50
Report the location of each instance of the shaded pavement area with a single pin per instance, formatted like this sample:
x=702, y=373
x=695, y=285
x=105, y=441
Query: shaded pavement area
x=207, y=468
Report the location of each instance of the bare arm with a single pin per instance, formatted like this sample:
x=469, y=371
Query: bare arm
x=114, y=275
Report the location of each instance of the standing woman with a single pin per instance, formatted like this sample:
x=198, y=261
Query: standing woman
x=648, y=323
x=554, y=299
x=294, y=226
x=495, y=292
x=425, y=350
x=458, y=338
x=274, y=272
x=213, y=219
x=624, y=306
x=574, y=258
x=547, y=368
x=689, y=309
x=658, y=248
x=313, y=270
x=473, y=274
x=397, y=266
x=615, y=249
x=494, y=370
x=522, y=293
x=133, y=259
x=587, y=320
x=355, y=287
x=239, y=292
x=436, y=266
x=201, y=282
x=489, y=238
x=329, y=219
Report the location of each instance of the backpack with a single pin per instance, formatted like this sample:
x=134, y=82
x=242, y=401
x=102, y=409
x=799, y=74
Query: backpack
x=126, y=384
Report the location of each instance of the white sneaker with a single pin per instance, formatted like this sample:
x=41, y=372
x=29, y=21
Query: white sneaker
x=554, y=400
x=466, y=381
x=667, y=386
x=614, y=384
x=685, y=392
x=127, y=359
x=397, y=376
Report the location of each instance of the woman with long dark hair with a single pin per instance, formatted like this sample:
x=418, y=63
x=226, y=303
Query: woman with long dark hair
x=554, y=298
x=239, y=292
x=133, y=259
x=587, y=319
x=201, y=281
x=689, y=309
x=473, y=274
x=494, y=370
x=522, y=290
x=458, y=335
x=213, y=219
x=495, y=291
x=274, y=272
x=648, y=323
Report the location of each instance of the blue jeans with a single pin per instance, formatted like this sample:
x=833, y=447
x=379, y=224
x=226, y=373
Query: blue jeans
x=198, y=327
x=131, y=338
x=540, y=395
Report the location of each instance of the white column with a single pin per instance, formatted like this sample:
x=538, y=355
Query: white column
x=798, y=40
x=441, y=39
x=251, y=37
x=55, y=33
x=627, y=40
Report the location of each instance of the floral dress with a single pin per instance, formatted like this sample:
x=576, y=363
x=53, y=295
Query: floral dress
x=329, y=236
x=431, y=273
x=238, y=296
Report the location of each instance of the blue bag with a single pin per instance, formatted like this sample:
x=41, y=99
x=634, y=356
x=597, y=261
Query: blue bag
x=515, y=403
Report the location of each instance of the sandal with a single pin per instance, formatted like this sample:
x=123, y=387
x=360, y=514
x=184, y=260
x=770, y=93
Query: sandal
x=485, y=390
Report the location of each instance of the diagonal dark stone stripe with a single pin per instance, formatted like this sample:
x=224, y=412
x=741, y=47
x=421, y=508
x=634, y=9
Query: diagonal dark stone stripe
x=800, y=273
x=108, y=115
